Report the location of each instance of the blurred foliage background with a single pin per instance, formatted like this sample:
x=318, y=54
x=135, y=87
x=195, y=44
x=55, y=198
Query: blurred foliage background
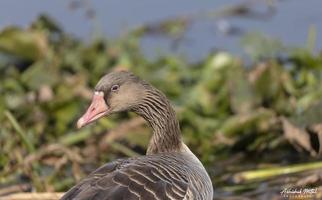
x=264, y=115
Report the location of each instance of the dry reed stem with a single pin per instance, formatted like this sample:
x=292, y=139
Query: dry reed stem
x=33, y=196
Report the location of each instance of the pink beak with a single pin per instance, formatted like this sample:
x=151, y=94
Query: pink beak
x=96, y=110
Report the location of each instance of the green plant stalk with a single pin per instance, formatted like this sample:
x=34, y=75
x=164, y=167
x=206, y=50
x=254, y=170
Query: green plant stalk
x=239, y=188
x=275, y=171
x=36, y=180
x=74, y=138
x=30, y=147
x=121, y=148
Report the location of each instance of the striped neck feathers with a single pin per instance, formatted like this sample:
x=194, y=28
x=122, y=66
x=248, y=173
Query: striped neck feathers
x=158, y=112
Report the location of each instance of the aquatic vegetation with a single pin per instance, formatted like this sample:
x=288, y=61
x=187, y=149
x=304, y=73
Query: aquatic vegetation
x=225, y=107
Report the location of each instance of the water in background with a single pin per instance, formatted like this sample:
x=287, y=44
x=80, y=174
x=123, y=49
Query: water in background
x=290, y=23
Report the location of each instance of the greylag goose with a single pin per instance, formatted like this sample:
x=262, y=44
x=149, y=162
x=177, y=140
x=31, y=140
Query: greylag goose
x=168, y=171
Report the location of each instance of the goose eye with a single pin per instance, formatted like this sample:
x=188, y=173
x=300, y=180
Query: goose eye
x=114, y=88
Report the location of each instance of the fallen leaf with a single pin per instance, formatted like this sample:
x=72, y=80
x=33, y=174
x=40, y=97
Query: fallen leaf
x=298, y=137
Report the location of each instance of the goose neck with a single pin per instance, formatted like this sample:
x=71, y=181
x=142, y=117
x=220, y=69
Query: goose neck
x=158, y=112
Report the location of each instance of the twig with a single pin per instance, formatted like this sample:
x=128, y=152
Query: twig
x=14, y=189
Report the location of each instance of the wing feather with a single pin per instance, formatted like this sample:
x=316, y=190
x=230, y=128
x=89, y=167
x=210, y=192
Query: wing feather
x=132, y=179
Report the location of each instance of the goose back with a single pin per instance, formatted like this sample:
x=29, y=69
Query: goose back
x=162, y=176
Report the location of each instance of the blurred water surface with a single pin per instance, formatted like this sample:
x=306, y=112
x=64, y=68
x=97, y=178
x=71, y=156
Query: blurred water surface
x=290, y=23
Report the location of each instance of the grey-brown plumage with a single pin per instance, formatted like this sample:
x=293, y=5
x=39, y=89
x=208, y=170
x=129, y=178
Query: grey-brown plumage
x=168, y=171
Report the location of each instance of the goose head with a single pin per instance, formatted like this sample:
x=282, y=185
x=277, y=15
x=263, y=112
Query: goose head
x=115, y=92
